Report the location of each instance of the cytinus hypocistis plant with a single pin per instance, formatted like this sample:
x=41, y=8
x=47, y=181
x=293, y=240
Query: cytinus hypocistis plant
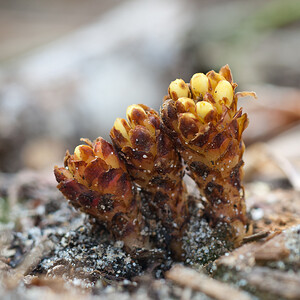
x=155, y=166
x=95, y=181
x=202, y=117
x=200, y=127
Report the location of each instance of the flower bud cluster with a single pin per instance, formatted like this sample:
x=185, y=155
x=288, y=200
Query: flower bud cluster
x=202, y=117
x=95, y=181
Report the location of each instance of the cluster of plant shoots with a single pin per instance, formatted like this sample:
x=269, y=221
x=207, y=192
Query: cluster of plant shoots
x=135, y=186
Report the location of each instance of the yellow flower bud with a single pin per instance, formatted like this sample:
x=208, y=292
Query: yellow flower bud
x=77, y=152
x=203, y=108
x=178, y=88
x=136, y=114
x=199, y=84
x=188, y=104
x=122, y=126
x=105, y=151
x=223, y=94
x=84, y=152
x=214, y=78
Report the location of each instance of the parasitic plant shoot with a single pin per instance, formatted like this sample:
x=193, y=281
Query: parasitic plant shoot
x=155, y=166
x=135, y=186
x=204, y=121
x=95, y=181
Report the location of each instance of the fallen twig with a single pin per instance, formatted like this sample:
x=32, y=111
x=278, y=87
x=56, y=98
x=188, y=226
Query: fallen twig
x=29, y=263
x=285, y=165
x=255, y=237
x=274, y=282
x=199, y=282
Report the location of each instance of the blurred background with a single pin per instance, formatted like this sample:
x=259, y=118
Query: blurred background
x=69, y=68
